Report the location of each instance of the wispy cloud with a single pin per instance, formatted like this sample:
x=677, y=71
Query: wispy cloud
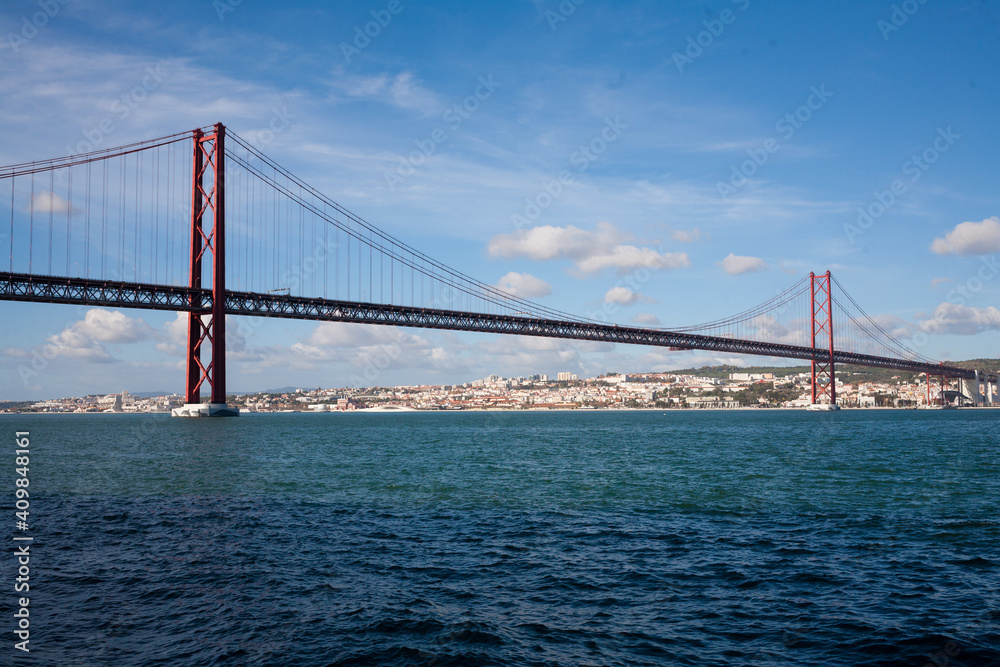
x=402, y=90
x=734, y=265
x=524, y=285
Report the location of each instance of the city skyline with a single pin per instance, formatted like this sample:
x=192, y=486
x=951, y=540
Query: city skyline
x=661, y=178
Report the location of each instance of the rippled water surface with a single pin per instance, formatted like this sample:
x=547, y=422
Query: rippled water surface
x=637, y=538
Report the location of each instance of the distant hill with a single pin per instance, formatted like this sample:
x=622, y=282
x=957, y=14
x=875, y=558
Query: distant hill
x=281, y=390
x=859, y=373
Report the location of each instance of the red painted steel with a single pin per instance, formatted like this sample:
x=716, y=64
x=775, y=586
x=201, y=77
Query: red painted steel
x=208, y=324
x=821, y=309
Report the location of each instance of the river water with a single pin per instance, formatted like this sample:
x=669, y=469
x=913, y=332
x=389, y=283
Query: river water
x=762, y=537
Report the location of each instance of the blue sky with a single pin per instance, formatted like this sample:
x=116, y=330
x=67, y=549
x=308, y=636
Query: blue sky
x=732, y=144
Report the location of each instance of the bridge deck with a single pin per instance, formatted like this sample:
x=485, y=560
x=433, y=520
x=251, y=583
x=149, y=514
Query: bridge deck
x=49, y=289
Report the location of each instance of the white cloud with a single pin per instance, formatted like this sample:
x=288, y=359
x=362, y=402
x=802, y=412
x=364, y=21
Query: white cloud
x=686, y=236
x=548, y=242
x=112, y=326
x=592, y=251
x=970, y=238
x=647, y=319
x=523, y=355
x=175, y=334
x=621, y=295
x=50, y=202
x=408, y=94
x=524, y=285
x=402, y=91
x=952, y=318
x=895, y=326
x=627, y=257
x=768, y=327
x=74, y=345
x=369, y=347
x=737, y=264
x=85, y=339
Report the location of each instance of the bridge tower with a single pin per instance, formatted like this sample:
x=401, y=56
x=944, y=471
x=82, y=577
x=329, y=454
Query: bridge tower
x=821, y=298
x=208, y=323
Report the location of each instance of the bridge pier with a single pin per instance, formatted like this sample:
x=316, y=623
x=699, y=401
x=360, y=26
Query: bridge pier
x=208, y=323
x=970, y=389
x=992, y=385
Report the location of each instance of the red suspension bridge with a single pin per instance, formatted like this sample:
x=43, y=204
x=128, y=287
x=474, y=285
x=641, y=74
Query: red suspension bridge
x=204, y=223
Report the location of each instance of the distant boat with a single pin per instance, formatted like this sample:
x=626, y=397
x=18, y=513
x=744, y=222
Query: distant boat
x=388, y=408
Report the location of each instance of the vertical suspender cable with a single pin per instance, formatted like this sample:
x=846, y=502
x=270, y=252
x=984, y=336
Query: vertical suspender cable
x=31, y=224
x=121, y=219
x=12, y=224
x=69, y=219
x=86, y=248
x=156, y=221
x=274, y=223
x=104, y=222
x=138, y=215
x=170, y=216
x=247, y=241
x=52, y=206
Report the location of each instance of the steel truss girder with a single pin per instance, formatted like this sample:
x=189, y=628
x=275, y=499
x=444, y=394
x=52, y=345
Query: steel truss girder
x=115, y=294
x=48, y=289
x=279, y=305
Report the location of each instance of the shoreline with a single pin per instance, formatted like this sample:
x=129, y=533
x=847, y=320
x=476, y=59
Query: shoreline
x=478, y=410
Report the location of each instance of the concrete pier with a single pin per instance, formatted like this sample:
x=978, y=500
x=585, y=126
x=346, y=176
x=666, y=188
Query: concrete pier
x=205, y=410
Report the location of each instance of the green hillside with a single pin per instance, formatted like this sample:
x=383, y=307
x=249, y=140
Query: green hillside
x=844, y=372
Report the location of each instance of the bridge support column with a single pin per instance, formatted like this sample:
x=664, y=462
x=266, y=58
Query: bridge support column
x=821, y=295
x=208, y=322
x=993, y=390
x=970, y=389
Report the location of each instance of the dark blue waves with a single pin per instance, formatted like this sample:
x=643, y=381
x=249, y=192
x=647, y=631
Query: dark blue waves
x=543, y=540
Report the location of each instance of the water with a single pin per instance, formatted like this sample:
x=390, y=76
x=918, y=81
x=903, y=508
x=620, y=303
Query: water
x=587, y=538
